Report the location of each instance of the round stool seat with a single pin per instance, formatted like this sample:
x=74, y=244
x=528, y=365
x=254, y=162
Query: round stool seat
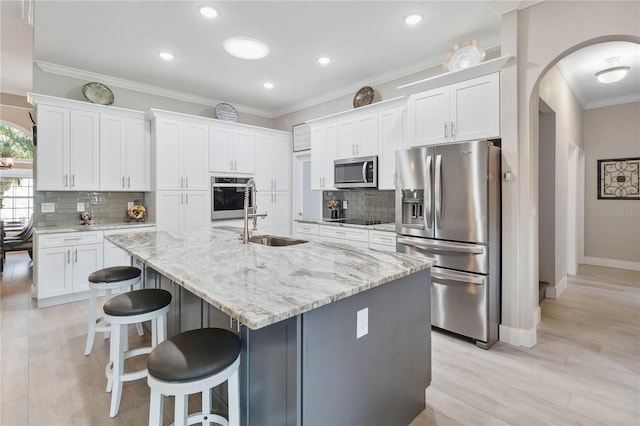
x=114, y=274
x=137, y=302
x=193, y=355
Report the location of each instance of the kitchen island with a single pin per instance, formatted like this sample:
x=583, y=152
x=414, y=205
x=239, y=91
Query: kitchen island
x=302, y=308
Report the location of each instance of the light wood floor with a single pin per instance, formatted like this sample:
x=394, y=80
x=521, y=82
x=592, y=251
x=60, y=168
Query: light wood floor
x=585, y=368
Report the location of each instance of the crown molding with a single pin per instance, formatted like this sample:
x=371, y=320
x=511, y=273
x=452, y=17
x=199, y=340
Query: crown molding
x=140, y=87
x=566, y=73
x=613, y=101
x=501, y=7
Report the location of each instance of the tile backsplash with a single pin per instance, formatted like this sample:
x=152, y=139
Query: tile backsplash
x=107, y=207
x=362, y=204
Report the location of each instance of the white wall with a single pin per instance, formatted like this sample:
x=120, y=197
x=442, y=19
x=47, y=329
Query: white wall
x=612, y=226
x=544, y=33
x=15, y=109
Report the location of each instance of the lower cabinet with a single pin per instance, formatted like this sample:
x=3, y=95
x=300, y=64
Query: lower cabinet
x=357, y=237
x=179, y=210
x=306, y=231
x=277, y=206
x=63, y=264
x=114, y=255
x=340, y=234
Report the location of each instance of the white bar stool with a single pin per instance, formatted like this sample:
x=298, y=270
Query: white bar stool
x=195, y=362
x=121, y=311
x=107, y=279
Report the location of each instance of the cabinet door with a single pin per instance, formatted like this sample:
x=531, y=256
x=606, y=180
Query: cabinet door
x=220, y=149
x=367, y=135
x=54, y=272
x=389, y=123
x=113, y=135
x=114, y=256
x=273, y=164
x=84, y=151
x=264, y=201
x=347, y=138
x=475, y=108
x=169, y=210
x=243, y=152
x=428, y=116
x=282, y=212
x=52, y=151
x=330, y=149
x=196, y=210
x=137, y=155
x=168, y=153
x=86, y=260
x=196, y=140
x=318, y=167
x=282, y=161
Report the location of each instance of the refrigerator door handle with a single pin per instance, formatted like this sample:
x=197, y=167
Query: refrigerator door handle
x=451, y=276
x=428, y=217
x=443, y=247
x=438, y=191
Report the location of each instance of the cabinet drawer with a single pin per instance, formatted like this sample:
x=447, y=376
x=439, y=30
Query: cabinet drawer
x=353, y=243
x=341, y=232
x=383, y=238
x=69, y=238
x=306, y=228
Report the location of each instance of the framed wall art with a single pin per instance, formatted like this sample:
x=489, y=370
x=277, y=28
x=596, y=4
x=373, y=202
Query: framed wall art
x=618, y=179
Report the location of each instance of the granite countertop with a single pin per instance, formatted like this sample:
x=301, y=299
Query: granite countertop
x=97, y=227
x=388, y=227
x=261, y=285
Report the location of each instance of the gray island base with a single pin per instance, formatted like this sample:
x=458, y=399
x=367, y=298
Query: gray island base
x=296, y=309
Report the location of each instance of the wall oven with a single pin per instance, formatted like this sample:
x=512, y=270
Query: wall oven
x=227, y=197
x=354, y=173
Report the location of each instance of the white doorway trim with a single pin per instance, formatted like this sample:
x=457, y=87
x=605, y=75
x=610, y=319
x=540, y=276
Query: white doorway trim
x=575, y=208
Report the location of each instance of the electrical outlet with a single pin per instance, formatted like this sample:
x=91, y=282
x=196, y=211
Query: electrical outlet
x=79, y=207
x=362, y=323
x=345, y=205
x=129, y=205
x=48, y=207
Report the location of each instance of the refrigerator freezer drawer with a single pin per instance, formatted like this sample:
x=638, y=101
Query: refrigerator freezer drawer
x=460, y=256
x=459, y=303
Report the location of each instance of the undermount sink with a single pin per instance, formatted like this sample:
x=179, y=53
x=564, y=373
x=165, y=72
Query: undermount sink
x=275, y=241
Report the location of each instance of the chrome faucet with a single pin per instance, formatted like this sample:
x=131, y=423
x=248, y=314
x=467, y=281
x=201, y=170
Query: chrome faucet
x=250, y=189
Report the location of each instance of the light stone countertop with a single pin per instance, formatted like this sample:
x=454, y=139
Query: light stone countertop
x=97, y=227
x=387, y=227
x=260, y=285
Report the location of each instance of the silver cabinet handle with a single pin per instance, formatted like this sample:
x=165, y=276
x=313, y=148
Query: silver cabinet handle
x=320, y=183
x=446, y=135
x=182, y=182
x=73, y=180
x=71, y=239
x=123, y=181
x=76, y=256
x=453, y=130
x=187, y=181
x=181, y=198
x=69, y=256
x=64, y=181
x=275, y=198
x=186, y=196
x=275, y=184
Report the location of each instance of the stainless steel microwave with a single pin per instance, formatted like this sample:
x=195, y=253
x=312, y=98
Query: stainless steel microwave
x=356, y=173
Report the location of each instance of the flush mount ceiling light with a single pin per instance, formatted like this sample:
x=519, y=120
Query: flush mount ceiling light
x=246, y=48
x=324, y=60
x=166, y=56
x=208, y=12
x=613, y=73
x=268, y=85
x=412, y=19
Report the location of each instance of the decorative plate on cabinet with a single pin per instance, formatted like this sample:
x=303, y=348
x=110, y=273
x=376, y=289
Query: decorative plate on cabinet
x=363, y=97
x=464, y=55
x=98, y=93
x=226, y=112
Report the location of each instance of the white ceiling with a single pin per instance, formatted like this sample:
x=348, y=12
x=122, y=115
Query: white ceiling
x=367, y=40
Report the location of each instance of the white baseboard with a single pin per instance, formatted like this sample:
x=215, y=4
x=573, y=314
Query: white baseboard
x=612, y=263
x=518, y=336
x=554, y=292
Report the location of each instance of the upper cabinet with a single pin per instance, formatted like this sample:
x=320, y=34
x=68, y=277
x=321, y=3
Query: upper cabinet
x=392, y=125
x=358, y=136
x=324, y=139
x=231, y=150
x=88, y=147
x=463, y=111
x=273, y=162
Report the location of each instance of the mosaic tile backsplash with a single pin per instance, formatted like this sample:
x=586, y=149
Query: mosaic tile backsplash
x=363, y=204
x=106, y=207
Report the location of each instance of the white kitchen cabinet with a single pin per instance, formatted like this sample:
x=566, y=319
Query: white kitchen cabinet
x=391, y=131
x=68, y=150
x=358, y=136
x=323, y=154
x=463, y=111
x=63, y=264
x=231, y=150
x=306, y=231
x=382, y=240
x=180, y=155
x=277, y=205
x=180, y=210
x=114, y=255
x=273, y=163
x=124, y=154
x=357, y=237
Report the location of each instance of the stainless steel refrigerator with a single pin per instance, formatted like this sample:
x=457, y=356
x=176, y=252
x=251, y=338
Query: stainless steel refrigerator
x=448, y=208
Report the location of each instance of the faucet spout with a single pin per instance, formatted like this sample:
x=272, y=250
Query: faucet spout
x=250, y=189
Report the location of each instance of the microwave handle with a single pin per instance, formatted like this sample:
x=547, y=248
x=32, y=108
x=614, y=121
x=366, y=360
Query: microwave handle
x=364, y=171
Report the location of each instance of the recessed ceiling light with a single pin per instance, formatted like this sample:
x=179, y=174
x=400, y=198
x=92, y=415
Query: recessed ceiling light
x=412, y=19
x=166, y=56
x=208, y=12
x=268, y=85
x=324, y=60
x=246, y=48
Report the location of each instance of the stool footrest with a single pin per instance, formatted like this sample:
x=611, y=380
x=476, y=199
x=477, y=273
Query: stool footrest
x=198, y=418
x=134, y=375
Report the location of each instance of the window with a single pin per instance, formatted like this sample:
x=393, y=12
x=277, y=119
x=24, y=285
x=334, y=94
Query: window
x=16, y=201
